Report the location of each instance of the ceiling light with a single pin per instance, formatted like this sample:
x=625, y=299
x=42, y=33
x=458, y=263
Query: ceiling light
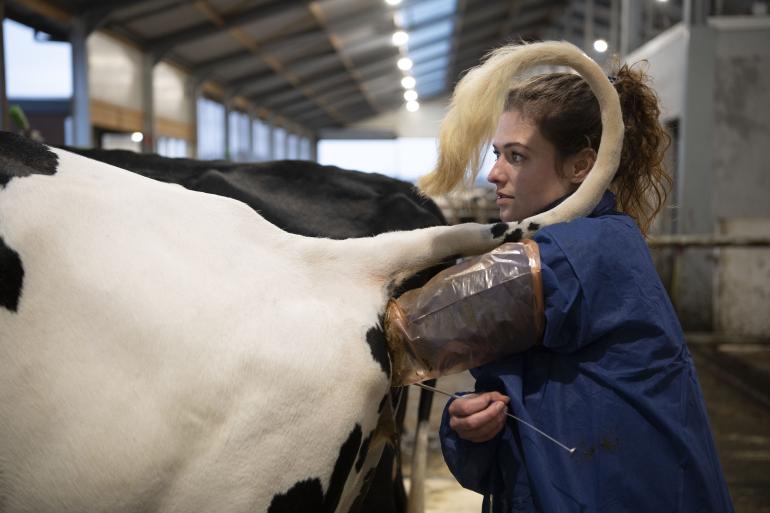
x=412, y=106
x=400, y=38
x=408, y=82
x=392, y=2
x=404, y=64
x=137, y=137
x=600, y=45
x=410, y=95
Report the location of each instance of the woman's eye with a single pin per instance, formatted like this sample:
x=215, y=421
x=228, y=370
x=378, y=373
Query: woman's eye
x=514, y=158
x=497, y=155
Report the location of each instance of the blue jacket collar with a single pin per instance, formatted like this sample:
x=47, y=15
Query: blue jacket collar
x=605, y=206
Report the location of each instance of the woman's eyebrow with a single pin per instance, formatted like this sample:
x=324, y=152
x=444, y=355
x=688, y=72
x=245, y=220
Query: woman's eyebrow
x=510, y=144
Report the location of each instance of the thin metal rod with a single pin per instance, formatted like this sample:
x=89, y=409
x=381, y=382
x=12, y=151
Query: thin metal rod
x=434, y=389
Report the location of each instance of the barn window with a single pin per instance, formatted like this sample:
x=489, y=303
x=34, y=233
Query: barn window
x=171, y=147
x=279, y=143
x=262, y=140
x=239, y=149
x=292, y=146
x=211, y=129
x=304, y=149
x=28, y=57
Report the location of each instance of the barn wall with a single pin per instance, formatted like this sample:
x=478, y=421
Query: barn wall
x=172, y=100
x=665, y=57
x=114, y=72
x=115, y=81
x=714, y=79
x=740, y=138
x=741, y=134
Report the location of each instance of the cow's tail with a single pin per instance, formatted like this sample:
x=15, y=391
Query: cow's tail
x=478, y=102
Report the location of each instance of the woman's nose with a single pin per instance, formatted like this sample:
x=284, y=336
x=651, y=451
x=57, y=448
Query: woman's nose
x=494, y=175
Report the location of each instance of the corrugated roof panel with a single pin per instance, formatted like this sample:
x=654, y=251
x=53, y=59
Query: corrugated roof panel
x=428, y=53
x=418, y=38
x=429, y=89
x=425, y=11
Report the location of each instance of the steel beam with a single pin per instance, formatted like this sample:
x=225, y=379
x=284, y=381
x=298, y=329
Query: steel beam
x=162, y=45
x=148, y=103
x=81, y=111
x=5, y=123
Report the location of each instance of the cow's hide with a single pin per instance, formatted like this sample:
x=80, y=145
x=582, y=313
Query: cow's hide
x=310, y=199
x=167, y=350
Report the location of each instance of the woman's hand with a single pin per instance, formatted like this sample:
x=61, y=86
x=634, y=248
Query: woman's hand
x=478, y=417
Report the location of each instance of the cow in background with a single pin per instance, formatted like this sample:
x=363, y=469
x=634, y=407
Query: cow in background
x=310, y=199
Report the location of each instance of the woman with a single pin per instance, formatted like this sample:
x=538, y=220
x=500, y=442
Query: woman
x=612, y=376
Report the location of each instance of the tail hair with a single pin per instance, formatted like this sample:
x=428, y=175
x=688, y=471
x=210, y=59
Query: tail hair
x=478, y=102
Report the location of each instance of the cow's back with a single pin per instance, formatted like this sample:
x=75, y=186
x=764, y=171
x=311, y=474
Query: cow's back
x=301, y=197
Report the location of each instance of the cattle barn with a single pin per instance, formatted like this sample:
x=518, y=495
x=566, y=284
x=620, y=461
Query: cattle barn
x=206, y=204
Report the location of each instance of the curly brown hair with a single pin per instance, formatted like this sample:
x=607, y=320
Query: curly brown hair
x=567, y=114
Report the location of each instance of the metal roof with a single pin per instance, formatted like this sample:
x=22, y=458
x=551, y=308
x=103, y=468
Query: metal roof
x=325, y=63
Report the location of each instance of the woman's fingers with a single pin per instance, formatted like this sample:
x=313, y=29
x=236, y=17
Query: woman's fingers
x=478, y=418
x=473, y=403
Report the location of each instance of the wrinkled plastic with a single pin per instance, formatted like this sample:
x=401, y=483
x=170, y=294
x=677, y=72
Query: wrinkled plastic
x=478, y=311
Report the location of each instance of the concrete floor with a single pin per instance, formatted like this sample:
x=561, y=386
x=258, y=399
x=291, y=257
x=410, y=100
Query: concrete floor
x=740, y=423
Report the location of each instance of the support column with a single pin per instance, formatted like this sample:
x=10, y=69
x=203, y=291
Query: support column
x=252, y=148
x=193, y=86
x=615, y=26
x=286, y=143
x=81, y=109
x=314, y=147
x=588, y=27
x=630, y=26
x=148, y=102
x=695, y=169
x=5, y=122
x=269, y=120
x=228, y=135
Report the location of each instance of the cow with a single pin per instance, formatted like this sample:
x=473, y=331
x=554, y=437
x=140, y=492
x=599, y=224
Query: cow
x=314, y=200
x=163, y=349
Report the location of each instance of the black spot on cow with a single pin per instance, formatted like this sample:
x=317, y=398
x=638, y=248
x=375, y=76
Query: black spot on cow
x=307, y=496
x=533, y=227
x=11, y=277
x=21, y=156
x=363, y=451
x=514, y=236
x=498, y=229
x=375, y=337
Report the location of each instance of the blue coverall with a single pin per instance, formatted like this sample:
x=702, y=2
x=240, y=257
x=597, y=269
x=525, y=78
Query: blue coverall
x=612, y=377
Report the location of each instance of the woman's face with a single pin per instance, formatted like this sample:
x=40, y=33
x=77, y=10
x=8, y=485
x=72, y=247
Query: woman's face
x=525, y=172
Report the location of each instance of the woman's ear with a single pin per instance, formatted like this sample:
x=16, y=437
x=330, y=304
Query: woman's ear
x=578, y=165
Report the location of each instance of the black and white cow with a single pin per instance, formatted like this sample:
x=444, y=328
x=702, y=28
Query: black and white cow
x=310, y=199
x=163, y=349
